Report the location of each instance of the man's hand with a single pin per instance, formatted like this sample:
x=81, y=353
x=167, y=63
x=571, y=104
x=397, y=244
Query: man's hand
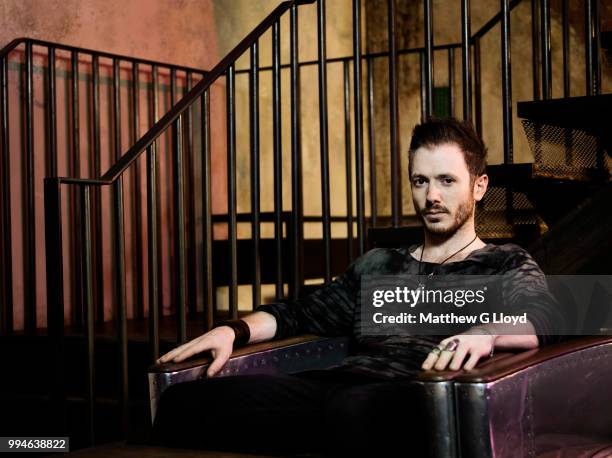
x=219, y=341
x=454, y=350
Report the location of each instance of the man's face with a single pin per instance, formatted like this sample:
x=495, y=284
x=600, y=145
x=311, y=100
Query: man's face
x=442, y=191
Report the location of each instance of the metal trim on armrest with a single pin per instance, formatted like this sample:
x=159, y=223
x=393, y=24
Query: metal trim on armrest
x=284, y=356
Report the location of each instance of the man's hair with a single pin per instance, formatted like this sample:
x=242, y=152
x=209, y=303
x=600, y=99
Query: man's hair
x=438, y=131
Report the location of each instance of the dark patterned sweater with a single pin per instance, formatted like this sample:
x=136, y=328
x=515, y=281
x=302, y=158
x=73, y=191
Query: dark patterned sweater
x=334, y=310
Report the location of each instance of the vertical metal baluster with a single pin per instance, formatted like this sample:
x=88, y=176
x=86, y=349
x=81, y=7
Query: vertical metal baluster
x=29, y=252
x=396, y=177
x=429, y=56
x=207, y=234
x=592, y=46
x=119, y=253
x=546, y=51
x=535, y=50
x=6, y=320
x=566, y=78
x=51, y=113
x=88, y=309
x=593, y=41
x=588, y=46
x=451, y=81
x=97, y=255
x=254, y=140
x=478, y=85
x=596, y=30
x=358, y=102
x=152, y=242
x=55, y=299
x=506, y=82
x=535, y=64
x=75, y=215
x=349, y=166
x=324, y=137
x=465, y=59
x=372, y=143
x=231, y=190
x=190, y=214
x=137, y=231
x=154, y=117
x=296, y=160
x=278, y=158
x=422, y=86
x=179, y=218
x=566, y=49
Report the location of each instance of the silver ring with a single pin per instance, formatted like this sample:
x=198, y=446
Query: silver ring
x=436, y=350
x=452, y=345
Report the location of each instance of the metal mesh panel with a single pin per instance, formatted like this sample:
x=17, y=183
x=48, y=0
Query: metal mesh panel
x=565, y=153
x=502, y=211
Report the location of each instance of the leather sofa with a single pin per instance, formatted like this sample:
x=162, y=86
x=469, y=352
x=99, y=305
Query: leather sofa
x=547, y=402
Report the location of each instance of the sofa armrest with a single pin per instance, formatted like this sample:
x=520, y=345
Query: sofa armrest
x=286, y=356
x=513, y=363
x=504, y=407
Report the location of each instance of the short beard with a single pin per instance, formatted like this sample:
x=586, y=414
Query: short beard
x=464, y=213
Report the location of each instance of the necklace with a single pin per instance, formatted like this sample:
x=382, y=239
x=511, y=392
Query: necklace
x=421, y=283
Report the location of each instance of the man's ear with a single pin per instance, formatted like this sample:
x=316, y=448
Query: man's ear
x=480, y=187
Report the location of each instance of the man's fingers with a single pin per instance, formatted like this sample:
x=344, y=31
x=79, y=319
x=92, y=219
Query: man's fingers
x=191, y=350
x=217, y=363
x=185, y=351
x=472, y=361
x=429, y=361
x=172, y=353
x=460, y=354
x=445, y=357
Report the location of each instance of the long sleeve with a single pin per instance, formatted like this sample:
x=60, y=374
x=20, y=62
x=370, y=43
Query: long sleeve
x=328, y=311
x=525, y=290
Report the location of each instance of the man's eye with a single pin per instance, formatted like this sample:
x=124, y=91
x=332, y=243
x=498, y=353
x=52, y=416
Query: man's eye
x=418, y=181
x=448, y=180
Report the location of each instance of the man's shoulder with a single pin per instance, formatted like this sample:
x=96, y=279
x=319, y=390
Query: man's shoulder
x=378, y=260
x=509, y=256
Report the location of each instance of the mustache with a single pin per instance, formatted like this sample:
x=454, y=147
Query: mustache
x=434, y=209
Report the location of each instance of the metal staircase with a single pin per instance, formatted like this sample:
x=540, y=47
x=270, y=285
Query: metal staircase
x=108, y=319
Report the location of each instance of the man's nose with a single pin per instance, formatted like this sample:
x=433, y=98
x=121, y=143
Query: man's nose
x=433, y=193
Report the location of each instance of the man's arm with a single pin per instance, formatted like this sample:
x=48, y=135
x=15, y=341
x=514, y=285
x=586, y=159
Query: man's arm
x=219, y=341
x=262, y=326
x=524, y=290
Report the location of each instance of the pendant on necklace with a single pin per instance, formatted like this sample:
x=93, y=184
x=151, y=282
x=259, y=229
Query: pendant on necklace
x=423, y=284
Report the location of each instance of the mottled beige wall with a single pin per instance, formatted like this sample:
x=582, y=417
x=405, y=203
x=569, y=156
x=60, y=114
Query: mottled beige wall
x=447, y=29
x=233, y=25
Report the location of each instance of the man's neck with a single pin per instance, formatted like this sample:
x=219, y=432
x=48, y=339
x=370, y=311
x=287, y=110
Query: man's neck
x=438, y=248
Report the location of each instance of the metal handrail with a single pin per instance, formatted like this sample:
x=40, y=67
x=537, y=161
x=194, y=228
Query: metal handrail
x=23, y=40
x=192, y=96
x=493, y=22
x=166, y=121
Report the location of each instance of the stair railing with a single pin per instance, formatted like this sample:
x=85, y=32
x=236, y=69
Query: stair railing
x=70, y=81
x=173, y=121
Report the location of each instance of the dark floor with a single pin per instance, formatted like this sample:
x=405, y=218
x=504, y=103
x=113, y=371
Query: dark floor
x=123, y=450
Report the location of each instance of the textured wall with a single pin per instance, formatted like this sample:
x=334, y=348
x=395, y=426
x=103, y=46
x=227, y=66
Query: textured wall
x=233, y=25
x=175, y=31
x=447, y=29
x=179, y=32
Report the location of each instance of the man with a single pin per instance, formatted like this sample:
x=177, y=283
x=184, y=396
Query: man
x=347, y=408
